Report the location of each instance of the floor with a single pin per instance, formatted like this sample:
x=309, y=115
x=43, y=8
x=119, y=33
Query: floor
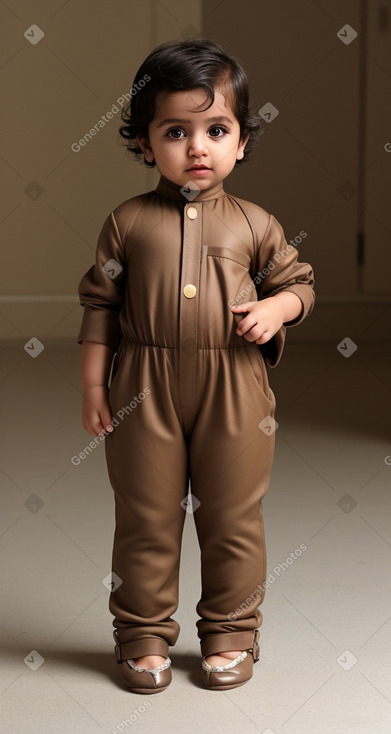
x=326, y=636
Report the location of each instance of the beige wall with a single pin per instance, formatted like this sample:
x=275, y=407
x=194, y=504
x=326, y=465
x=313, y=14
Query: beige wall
x=56, y=90
x=305, y=169
x=295, y=61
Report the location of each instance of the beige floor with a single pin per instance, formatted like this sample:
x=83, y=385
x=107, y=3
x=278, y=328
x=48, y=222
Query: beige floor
x=326, y=637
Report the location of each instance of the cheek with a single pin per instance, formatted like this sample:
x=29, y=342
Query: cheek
x=226, y=156
x=171, y=150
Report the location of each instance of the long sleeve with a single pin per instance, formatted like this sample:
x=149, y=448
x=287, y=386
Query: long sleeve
x=277, y=269
x=101, y=290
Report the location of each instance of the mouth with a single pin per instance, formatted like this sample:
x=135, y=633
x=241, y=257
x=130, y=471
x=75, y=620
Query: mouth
x=198, y=168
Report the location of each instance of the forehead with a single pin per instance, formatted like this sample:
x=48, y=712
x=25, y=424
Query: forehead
x=193, y=102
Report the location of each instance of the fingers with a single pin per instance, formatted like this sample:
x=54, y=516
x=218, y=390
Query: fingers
x=256, y=326
x=102, y=423
x=246, y=326
x=96, y=427
x=97, y=421
x=266, y=336
x=253, y=336
x=252, y=330
x=106, y=420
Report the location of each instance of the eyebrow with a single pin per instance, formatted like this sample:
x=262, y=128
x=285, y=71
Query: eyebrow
x=170, y=120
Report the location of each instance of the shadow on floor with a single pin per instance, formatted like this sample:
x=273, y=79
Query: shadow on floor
x=102, y=663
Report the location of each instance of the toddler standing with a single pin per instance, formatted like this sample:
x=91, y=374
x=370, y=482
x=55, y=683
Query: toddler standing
x=191, y=290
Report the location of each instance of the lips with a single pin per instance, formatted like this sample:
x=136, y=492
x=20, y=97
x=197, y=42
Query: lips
x=199, y=168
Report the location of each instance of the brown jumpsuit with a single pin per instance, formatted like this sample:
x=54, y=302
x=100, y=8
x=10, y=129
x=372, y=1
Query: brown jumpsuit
x=188, y=395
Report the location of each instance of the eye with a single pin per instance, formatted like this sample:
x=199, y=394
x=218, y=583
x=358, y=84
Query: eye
x=217, y=128
x=174, y=130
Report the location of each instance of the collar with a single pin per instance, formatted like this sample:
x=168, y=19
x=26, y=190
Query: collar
x=170, y=190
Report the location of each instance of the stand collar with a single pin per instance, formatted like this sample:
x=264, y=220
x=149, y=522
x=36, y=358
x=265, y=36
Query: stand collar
x=170, y=190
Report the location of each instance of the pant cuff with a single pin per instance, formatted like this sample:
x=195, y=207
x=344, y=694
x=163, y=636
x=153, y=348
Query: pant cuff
x=213, y=644
x=139, y=648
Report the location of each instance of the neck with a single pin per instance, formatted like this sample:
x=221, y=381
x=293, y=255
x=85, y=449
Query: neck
x=171, y=190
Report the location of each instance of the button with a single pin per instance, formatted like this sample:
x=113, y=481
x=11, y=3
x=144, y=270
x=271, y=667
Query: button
x=189, y=290
x=191, y=212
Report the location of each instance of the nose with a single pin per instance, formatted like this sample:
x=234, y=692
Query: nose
x=197, y=145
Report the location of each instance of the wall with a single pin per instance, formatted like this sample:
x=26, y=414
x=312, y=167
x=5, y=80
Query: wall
x=311, y=169
x=55, y=199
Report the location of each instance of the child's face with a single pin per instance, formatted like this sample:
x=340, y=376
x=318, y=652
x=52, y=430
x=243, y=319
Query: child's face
x=180, y=138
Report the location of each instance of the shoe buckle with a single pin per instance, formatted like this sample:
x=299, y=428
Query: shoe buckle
x=117, y=648
x=255, y=648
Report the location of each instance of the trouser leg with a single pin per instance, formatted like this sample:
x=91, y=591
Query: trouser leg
x=230, y=465
x=148, y=469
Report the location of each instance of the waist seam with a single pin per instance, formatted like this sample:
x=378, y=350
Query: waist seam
x=164, y=346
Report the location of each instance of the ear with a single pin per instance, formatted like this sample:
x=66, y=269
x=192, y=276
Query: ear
x=146, y=148
x=242, y=144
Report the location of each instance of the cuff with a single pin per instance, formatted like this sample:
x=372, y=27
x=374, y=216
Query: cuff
x=100, y=325
x=272, y=350
x=138, y=648
x=307, y=298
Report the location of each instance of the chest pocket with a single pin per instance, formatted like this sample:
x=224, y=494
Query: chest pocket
x=228, y=254
x=228, y=283
x=236, y=282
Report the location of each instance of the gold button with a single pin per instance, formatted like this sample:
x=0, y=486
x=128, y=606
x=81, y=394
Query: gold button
x=189, y=290
x=191, y=212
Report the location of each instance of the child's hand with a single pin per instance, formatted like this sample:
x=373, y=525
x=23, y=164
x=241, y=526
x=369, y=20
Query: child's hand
x=263, y=320
x=266, y=317
x=96, y=411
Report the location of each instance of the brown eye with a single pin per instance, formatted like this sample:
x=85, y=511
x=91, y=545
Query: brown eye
x=219, y=129
x=174, y=130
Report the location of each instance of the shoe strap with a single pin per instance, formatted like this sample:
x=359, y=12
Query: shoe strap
x=163, y=666
x=219, y=668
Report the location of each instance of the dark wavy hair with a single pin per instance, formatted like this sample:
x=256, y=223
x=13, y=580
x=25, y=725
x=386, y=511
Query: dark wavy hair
x=183, y=65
